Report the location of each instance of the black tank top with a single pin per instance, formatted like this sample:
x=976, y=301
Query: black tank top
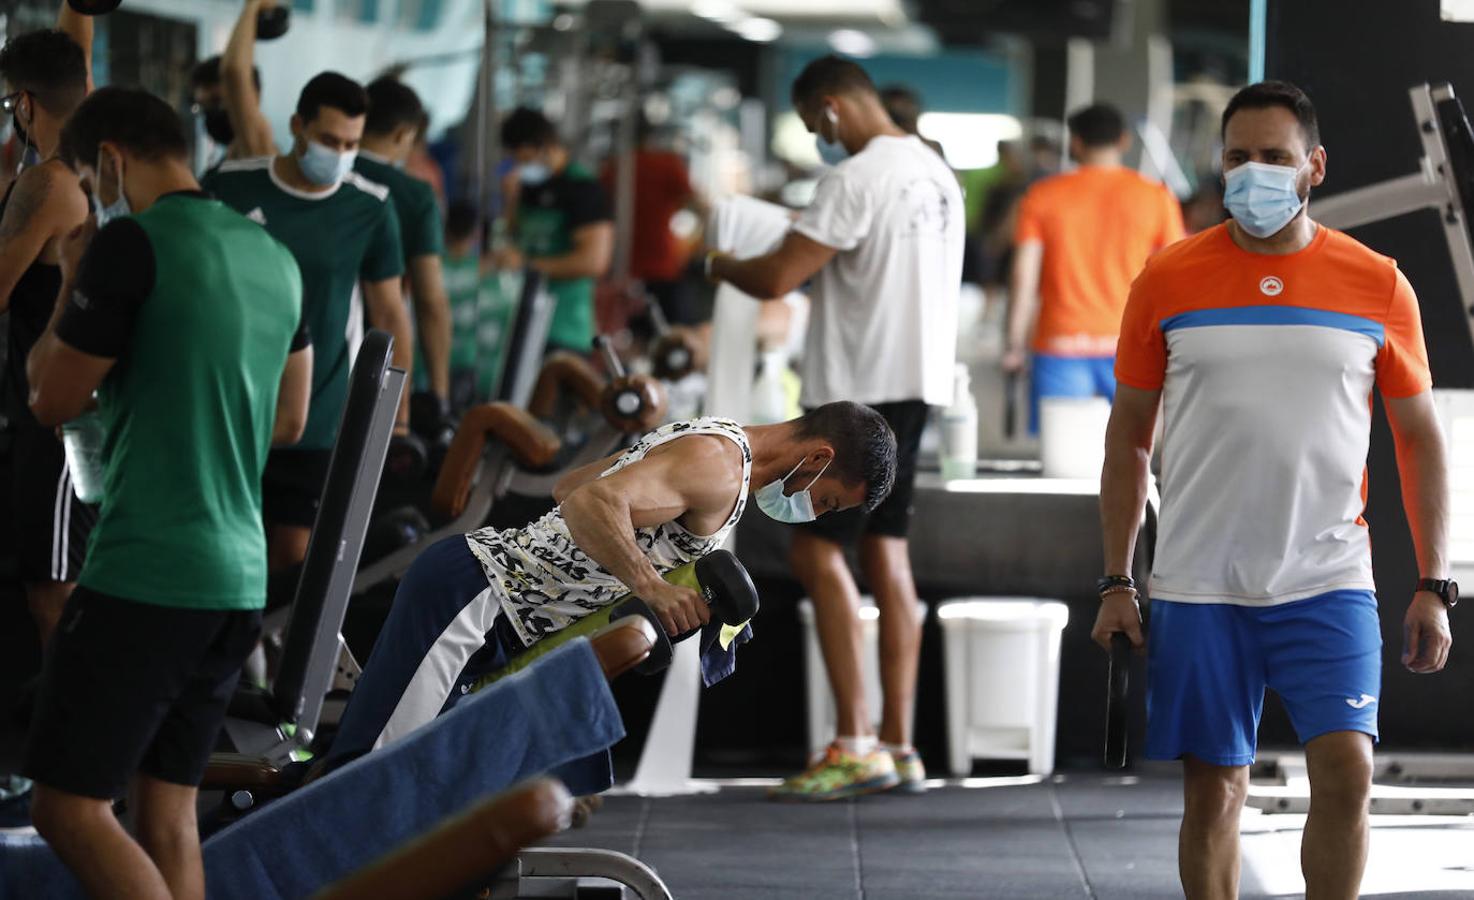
x=31, y=304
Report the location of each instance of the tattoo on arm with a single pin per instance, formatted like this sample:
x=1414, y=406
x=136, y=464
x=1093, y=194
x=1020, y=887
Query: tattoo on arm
x=26, y=200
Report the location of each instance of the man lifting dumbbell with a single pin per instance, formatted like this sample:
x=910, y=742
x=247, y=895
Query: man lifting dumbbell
x=621, y=525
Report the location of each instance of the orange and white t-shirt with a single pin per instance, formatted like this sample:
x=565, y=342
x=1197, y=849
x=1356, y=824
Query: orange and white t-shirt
x=1098, y=225
x=1266, y=366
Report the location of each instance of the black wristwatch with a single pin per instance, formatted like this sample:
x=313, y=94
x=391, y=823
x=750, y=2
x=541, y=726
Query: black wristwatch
x=1446, y=588
x=1112, y=583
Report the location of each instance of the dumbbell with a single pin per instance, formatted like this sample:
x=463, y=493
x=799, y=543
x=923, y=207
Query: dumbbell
x=430, y=418
x=1118, y=692
x=636, y=400
x=673, y=355
x=273, y=21
x=407, y=459
x=93, y=7
x=403, y=526
x=728, y=590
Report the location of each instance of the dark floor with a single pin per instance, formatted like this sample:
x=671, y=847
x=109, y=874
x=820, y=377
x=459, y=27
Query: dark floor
x=1072, y=836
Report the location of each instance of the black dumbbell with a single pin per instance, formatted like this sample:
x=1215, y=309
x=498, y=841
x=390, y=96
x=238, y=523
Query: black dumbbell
x=626, y=402
x=1118, y=692
x=273, y=22
x=93, y=7
x=728, y=590
x=403, y=526
x=430, y=418
x=407, y=459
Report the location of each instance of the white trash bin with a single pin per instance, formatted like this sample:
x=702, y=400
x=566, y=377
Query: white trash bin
x=819, y=699
x=1072, y=436
x=1002, y=672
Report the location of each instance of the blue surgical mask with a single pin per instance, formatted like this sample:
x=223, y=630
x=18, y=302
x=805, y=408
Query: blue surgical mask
x=533, y=174
x=322, y=166
x=831, y=152
x=1262, y=198
x=118, y=208
x=791, y=508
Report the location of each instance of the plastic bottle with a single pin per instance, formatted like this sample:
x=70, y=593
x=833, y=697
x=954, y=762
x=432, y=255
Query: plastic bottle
x=82, y=438
x=769, y=393
x=960, y=429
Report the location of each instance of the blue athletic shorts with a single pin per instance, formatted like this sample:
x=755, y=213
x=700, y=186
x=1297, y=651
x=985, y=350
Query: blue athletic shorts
x=1069, y=376
x=1209, y=663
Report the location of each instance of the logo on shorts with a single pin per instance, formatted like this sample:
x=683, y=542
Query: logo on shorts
x=1365, y=701
x=1271, y=286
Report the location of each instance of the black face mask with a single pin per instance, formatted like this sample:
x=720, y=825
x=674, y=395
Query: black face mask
x=217, y=126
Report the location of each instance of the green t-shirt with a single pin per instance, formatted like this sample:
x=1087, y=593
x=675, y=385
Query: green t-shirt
x=462, y=275
x=547, y=216
x=421, y=233
x=346, y=235
x=199, y=307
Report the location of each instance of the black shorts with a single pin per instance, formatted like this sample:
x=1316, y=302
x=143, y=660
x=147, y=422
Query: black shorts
x=892, y=518
x=133, y=687
x=50, y=524
x=291, y=485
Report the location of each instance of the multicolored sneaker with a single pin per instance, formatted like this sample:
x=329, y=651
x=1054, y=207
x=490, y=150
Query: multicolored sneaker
x=838, y=775
x=911, y=772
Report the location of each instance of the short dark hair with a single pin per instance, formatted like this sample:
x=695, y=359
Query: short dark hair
x=1266, y=94
x=830, y=75
x=864, y=445
x=460, y=221
x=1097, y=125
x=332, y=90
x=392, y=104
x=131, y=117
x=49, y=65
x=206, y=73
x=526, y=127
x=903, y=105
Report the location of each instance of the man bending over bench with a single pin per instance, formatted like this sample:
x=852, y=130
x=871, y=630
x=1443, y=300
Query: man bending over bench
x=470, y=602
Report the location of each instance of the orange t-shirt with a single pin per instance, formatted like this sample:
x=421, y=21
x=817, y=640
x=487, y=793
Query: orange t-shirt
x=1266, y=366
x=1098, y=225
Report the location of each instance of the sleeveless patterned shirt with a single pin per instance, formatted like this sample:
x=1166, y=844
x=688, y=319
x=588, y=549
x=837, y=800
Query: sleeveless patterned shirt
x=547, y=583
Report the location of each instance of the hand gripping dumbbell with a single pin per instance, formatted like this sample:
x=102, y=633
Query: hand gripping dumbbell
x=728, y=590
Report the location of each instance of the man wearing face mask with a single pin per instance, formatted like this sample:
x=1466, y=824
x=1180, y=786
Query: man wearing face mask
x=1261, y=340
x=46, y=76
x=471, y=601
x=882, y=242
x=389, y=134
x=562, y=222
x=184, y=319
x=208, y=92
x=1080, y=238
x=342, y=229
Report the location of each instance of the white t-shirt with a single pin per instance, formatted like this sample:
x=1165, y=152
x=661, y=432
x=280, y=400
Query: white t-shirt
x=883, y=325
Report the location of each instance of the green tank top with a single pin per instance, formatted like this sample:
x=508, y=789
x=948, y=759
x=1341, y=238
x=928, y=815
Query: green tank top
x=189, y=410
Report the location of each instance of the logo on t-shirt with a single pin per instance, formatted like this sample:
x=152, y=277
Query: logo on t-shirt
x=1271, y=286
x=257, y=216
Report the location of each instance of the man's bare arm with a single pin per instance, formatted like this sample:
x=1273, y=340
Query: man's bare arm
x=776, y=273
x=1023, y=295
x=37, y=212
x=253, y=135
x=432, y=319
x=79, y=28
x=581, y=476
x=293, y=398
x=1123, y=490
x=385, y=305
x=691, y=475
x=593, y=247
x=1423, y=465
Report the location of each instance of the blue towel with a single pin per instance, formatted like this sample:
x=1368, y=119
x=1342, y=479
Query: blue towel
x=546, y=716
x=717, y=662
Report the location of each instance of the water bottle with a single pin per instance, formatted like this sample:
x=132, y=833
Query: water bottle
x=82, y=438
x=769, y=393
x=960, y=429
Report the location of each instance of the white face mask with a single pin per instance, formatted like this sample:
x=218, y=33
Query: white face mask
x=1262, y=198
x=791, y=508
x=323, y=166
x=119, y=207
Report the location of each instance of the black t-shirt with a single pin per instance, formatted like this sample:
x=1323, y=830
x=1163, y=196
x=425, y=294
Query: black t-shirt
x=114, y=279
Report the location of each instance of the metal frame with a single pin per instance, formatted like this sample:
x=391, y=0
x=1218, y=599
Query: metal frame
x=556, y=872
x=1399, y=786
x=1436, y=186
